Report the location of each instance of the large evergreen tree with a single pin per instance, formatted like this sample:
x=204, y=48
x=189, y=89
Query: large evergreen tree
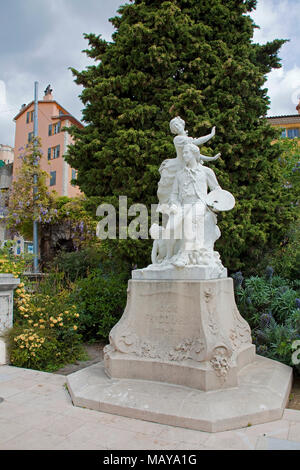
x=196, y=59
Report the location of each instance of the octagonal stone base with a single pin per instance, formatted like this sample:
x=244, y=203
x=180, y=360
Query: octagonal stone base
x=261, y=396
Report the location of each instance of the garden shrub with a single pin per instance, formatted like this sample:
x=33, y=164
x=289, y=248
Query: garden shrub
x=100, y=299
x=76, y=264
x=271, y=306
x=286, y=260
x=13, y=264
x=45, y=333
x=79, y=264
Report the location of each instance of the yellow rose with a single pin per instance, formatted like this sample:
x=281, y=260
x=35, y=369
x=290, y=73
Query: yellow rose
x=75, y=327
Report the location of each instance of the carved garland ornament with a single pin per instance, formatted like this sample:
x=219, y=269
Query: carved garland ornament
x=220, y=361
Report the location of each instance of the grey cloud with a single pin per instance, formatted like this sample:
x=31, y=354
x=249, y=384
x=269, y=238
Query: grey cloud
x=40, y=39
x=23, y=22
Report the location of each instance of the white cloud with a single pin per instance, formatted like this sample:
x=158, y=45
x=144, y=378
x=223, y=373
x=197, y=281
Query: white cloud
x=284, y=90
x=269, y=17
x=7, y=112
x=2, y=94
x=44, y=54
x=278, y=19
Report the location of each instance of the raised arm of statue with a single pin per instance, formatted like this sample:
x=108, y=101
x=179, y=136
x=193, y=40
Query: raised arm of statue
x=205, y=138
x=177, y=126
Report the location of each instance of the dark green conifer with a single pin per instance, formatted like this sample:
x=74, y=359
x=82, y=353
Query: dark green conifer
x=196, y=59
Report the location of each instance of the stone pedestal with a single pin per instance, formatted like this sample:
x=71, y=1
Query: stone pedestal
x=180, y=332
x=7, y=285
x=182, y=355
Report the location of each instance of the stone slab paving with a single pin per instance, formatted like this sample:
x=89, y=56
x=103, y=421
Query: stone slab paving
x=37, y=413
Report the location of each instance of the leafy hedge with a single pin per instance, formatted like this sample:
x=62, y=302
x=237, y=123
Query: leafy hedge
x=100, y=299
x=271, y=306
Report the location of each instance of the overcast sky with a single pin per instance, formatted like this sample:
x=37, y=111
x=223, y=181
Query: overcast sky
x=40, y=39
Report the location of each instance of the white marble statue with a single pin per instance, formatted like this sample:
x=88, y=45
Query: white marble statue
x=169, y=167
x=191, y=219
x=189, y=198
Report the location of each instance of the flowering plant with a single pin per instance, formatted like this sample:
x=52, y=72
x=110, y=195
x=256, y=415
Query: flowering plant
x=44, y=335
x=29, y=202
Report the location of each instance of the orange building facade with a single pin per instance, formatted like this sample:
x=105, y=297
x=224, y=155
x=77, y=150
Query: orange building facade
x=52, y=117
x=289, y=124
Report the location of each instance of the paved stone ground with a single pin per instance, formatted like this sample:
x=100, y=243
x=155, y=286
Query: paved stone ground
x=37, y=413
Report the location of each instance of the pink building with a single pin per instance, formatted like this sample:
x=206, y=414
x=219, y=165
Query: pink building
x=52, y=117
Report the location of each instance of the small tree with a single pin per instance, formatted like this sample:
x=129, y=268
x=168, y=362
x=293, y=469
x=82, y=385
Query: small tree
x=25, y=206
x=52, y=212
x=286, y=256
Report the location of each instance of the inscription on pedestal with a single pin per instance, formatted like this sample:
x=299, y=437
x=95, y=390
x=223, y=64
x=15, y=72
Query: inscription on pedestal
x=181, y=332
x=161, y=320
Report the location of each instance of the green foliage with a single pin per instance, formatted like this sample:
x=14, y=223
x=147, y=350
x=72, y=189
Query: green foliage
x=286, y=258
x=271, y=306
x=290, y=164
x=23, y=206
x=77, y=264
x=45, y=206
x=100, y=299
x=53, y=317
x=197, y=60
x=44, y=335
x=260, y=296
x=82, y=223
x=13, y=264
x=276, y=341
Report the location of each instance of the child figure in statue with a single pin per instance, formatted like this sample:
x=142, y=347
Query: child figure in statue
x=169, y=167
